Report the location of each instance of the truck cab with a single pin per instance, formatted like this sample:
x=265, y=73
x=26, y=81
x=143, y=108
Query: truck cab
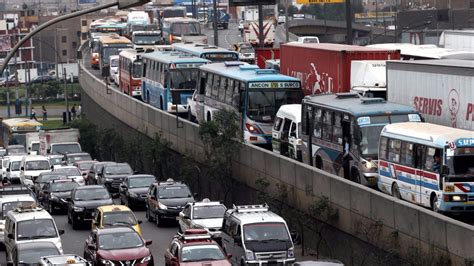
x=286, y=139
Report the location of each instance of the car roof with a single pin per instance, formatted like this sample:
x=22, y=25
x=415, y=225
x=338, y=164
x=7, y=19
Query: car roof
x=249, y=214
x=89, y=187
x=87, y=161
x=35, y=245
x=65, y=259
x=77, y=153
x=19, y=197
x=35, y=158
x=111, y=230
x=140, y=175
x=114, y=208
x=36, y=213
x=207, y=202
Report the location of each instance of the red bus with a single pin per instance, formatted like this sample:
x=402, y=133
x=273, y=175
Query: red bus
x=130, y=72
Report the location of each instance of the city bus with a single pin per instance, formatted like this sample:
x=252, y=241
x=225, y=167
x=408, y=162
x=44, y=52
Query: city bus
x=429, y=165
x=340, y=133
x=118, y=28
x=13, y=131
x=111, y=45
x=169, y=79
x=254, y=94
x=94, y=46
x=130, y=72
x=182, y=30
x=209, y=52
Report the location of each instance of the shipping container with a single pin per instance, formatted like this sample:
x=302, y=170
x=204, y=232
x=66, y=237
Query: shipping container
x=326, y=67
x=441, y=90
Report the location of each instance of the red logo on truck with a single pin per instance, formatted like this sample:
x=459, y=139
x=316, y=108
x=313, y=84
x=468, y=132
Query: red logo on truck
x=428, y=106
x=453, y=101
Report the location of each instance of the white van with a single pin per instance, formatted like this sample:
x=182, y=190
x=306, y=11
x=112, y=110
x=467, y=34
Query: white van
x=10, y=202
x=29, y=224
x=114, y=67
x=255, y=235
x=286, y=139
x=13, y=169
x=31, y=166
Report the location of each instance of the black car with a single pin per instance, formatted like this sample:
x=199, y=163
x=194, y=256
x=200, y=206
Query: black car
x=71, y=158
x=112, y=175
x=42, y=179
x=42, y=79
x=30, y=253
x=93, y=175
x=133, y=189
x=83, y=203
x=55, y=194
x=165, y=200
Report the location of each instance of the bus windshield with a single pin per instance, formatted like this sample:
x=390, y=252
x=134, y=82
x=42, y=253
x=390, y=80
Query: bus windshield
x=137, y=69
x=181, y=28
x=111, y=50
x=461, y=162
x=183, y=78
x=264, y=104
x=146, y=39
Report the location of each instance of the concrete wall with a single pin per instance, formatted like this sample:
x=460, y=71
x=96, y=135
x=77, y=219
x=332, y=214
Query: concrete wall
x=386, y=222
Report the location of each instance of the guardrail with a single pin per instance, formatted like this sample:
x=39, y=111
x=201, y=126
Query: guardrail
x=407, y=226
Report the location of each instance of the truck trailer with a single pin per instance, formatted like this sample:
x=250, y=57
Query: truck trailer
x=326, y=67
x=441, y=90
x=59, y=141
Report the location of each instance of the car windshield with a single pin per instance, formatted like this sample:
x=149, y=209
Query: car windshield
x=91, y=194
x=201, y=253
x=15, y=166
x=119, y=218
x=32, y=256
x=264, y=104
x=120, y=241
x=63, y=186
x=461, y=162
x=147, y=39
x=208, y=212
x=247, y=49
x=75, y=158
x=265, y=231
x=85, y=166
x=35, y=147
x=68, y=171
x=37, y=165
x=55, y=161
x=182, y=28
x=140, y=181
x=137, y=69
x=36, y=229
x=174, y=192
x=114, y=62
x=66, y=148
x=118, y=170
x=184, y=78
x=8, y=206
x=49, y=177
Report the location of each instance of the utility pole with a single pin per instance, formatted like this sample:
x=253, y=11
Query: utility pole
x=65, y=94
x=261, y=38
x=287, y=34
x=348, y=22
x=8, y=96
x=56, y=48
x=214, y=22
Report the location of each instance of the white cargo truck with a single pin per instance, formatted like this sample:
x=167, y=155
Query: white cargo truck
x=457, y=39
x=59, y=141
x=368, y=78
x=441, y=90
x=32, y=143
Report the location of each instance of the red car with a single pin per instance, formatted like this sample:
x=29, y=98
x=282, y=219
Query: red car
x=117, y=246
x=195, y=248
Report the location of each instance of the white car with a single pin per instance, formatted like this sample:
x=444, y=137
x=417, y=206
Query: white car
x=308, y=39
x=281, y=19
x=31, y=167
x=71, y=172
x=13, y=169
x=205, y=214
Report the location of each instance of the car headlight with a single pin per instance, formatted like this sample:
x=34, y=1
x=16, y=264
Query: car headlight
x=146, y=259
x=109, y=180
x=53, y=197
x=291, y=253
x=249, y=255
x=162, y=206
x=78, y=209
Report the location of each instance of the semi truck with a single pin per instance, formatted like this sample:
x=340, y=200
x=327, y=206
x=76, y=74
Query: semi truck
x=457, y=39
x=252, y=29
x=368, y=78
x=441, y=90
x=59, y=141
x=326, y=67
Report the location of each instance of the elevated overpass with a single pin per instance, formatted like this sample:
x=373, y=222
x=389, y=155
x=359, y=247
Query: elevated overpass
x=371, y=216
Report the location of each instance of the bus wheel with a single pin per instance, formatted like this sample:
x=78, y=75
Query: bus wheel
x=433, y=201
x=319, y=163
x=396, y=191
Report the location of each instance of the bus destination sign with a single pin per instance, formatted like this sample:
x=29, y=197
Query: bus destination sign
x=274, y=85
x=189, y=65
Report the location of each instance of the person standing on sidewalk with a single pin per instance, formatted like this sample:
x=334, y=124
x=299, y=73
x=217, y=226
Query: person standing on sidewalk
x=45, y=113
x=73, y=111
x=33, y=114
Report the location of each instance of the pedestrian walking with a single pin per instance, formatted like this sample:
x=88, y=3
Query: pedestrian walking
x=45, y=113
x=33, y=114
x=73, y=111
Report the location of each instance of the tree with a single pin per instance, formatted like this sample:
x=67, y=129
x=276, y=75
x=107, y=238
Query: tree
x=221, y=138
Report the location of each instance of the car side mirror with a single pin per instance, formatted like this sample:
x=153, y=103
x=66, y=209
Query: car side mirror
x=91, y=246
x=8, y=169
x=84, y=174
x=61, y=232
x=148, y=242
x=10, y=236
x=139, y=221
x=52, y=167
x=124, y=187
x=48, y=151
x=152, y=198
x=229, y=256
x=22, y=168
x=195, y=195
x=68, y=199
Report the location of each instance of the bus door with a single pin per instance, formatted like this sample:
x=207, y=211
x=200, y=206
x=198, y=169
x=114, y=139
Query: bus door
x=429, y=175
x=293, y=141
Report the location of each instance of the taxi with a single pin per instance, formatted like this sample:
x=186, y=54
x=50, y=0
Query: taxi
x=115, y=216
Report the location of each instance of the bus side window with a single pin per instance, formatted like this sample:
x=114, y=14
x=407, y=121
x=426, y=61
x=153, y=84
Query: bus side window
x=236, y=96
x=210, y=78
x=337, y=129
x=229, y=92
x=394, y=150
x=317, y=126
x=202, y=85
x=215, y=87
x=432, y=159
x=165, y=74
x=383, y=148
x=144, y=67
x=305, y=120
x=408, y=154
x=222, y=90
x=327, y=125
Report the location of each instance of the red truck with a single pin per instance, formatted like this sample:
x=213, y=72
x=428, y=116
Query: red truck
x=326, y=67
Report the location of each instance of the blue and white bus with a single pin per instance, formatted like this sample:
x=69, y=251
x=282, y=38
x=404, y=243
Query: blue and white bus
x=209, y=52
x=340, y=133
x=429, y=165
x=169, y=79
x=254, y=94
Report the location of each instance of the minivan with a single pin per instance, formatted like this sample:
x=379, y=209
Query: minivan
x=286, y=139
x=31, y=167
